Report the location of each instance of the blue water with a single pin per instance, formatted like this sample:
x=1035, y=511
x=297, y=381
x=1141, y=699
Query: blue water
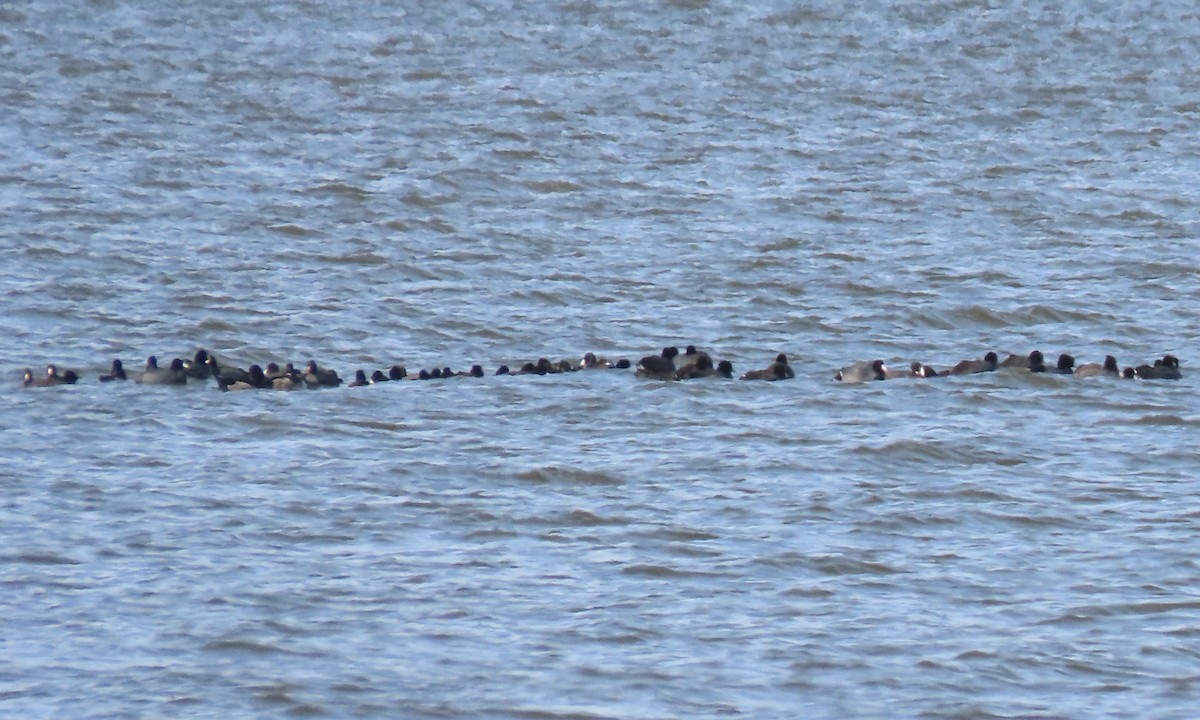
x=444, y=185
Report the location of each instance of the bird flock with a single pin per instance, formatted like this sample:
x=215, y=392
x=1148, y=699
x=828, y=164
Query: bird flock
x=670, y=364
x=1164, y=368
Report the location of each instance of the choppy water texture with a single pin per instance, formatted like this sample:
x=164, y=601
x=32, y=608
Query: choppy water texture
x=455, y=183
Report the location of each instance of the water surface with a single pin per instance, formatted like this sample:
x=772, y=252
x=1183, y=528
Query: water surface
x=435, y=184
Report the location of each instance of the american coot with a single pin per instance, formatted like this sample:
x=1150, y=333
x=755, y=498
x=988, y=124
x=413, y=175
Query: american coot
x=542, y=367
x=1108, y=369
x=862, y=372
x=915, y=370
x=317, y=377
x=691, y=356
x=778, y=370
x=52, y=377
x=782, y=361
x=256, y=379
x=360, y=379
x=1028, y=362
x=1033, y=362
x=1165, y=369
x=701, y=368
x=154, y=375
x=659, y=367
x=1064, y=366
x=591, y=362
x=397, y=372
x=926, y=371
x=378, y=377
x=287, y=381
x=227, y=375
x=197, y=368
x=273, y=371
x=116, y=373
x=971, y=367
x=1037, y=362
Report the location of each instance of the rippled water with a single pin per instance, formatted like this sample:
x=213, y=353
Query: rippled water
x=447, y=184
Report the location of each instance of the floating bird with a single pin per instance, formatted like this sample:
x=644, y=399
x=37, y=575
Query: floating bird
x=1165, y=369
x=971, y=367
x=1108, y=368
x=659, y=367
x=778, y=370
x=862, y=372
x=154, y=375
x=116, y=373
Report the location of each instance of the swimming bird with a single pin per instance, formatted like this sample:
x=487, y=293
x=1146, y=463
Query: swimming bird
x=254, y=379
x=1165, y=369
x=116, y=373
x=1037, y=362
x=926, y=371
x=397, y=372
x=286, y=381
x=591, y=362
x=1033, y=362
x=659, y=367
x=154, y=375
x=691, y=356
x=198, y=368
x=52, y=377
x=228, y=375
x=273, y=371
x=971, y=367
x=1024, y=361
x=1108, y=368
x=317, y=377
x=542, y=367
x=360, y=379
x=378, y=377
x=701, y=368
x=1065, y=365
x=915, y=370
x=778, y=370
x=862, y=372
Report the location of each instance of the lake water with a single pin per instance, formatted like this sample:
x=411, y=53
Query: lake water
x=454, y=183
